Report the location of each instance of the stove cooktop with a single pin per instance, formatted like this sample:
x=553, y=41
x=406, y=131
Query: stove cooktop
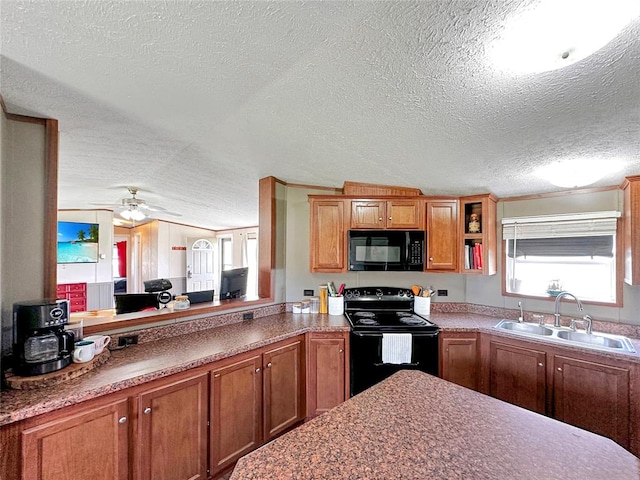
x=400, y=321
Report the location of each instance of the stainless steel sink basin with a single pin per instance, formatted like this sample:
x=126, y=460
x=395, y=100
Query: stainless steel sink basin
x=568, y=337
x=608, y=341
x=524, y=327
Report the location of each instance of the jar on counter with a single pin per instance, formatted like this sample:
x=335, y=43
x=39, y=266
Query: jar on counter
x=181, y=302
x=314, y=304
x=296, y=308
x=306, y=306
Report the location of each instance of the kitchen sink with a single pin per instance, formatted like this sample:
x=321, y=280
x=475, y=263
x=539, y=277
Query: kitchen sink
x=563, y=335
x=524, y=327
x=598, y=339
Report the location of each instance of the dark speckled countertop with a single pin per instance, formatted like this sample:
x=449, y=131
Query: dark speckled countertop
x=185, y=349
x=416, y=426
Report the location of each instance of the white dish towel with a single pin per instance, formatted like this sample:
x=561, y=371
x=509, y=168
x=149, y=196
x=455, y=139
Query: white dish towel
x=396, y=348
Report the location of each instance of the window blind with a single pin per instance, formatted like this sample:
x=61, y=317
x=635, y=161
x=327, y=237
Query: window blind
x=558, y=226
x=576, y=235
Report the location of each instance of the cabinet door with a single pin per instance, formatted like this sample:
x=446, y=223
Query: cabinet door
x=236, y=411
x=326, y=374
x=404, y=214
x=366, y=214
x=442, y=232
x=92, y=444
x=327, y=236
x=459, y=362
x=173, y=420
x=592, y=396
x=283, y=386
x=518, y=376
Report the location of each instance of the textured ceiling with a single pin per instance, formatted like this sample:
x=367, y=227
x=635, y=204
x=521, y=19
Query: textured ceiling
x=195, y=101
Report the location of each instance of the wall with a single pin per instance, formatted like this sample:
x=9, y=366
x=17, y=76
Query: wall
x=481, y=290
x=22, y=169
x=299, y=277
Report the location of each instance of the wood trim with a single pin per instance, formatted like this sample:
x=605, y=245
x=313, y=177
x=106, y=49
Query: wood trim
x=267, y=237
x=51, y=208
x=563, y=193
x=314, y=187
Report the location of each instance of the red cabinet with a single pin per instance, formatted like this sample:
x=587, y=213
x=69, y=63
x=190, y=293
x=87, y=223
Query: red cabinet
x=76, y=293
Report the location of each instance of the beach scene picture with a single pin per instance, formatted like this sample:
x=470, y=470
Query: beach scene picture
x=77, y=242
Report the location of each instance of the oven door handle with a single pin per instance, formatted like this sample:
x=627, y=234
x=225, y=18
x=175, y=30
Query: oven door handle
x=375, y=334
x=397, y=364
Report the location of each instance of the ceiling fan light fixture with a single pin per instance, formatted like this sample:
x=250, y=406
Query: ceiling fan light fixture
x=132, y=213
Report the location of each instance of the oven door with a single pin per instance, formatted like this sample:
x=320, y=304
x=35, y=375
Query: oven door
x=366, y=364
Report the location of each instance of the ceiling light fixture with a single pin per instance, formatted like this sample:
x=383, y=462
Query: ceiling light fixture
x=132, y=213
x=578, y=172
x=552, y=34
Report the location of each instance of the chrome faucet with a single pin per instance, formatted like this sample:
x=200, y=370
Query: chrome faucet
x=521, y=317
x=556, y=315
x=587, y=324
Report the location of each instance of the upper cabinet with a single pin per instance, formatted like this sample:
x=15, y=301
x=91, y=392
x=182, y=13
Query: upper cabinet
x=398, y=214
x=442, y=235
x=478, y=235
x=327, y=235
x=631, y=235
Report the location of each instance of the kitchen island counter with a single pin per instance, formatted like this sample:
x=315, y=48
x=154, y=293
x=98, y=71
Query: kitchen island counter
x=416, y=426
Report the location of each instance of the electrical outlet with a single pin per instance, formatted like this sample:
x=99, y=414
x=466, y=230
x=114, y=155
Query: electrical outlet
x=247, y=316
x=128, y=340
x=443, y=293
x=308, y=293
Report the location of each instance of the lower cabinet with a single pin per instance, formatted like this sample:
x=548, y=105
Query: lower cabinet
x=92, y=443
x=161, y=431
x=592, y=396
x=518, y=376
x=173, y=430
x=327, y=373
x=255, y=399
x=459, y=360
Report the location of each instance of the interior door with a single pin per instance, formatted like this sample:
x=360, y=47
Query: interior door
x=201, y=264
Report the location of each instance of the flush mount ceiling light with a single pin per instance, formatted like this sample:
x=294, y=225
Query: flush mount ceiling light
x=132, y=213
x=552, y=34
x=578, y=172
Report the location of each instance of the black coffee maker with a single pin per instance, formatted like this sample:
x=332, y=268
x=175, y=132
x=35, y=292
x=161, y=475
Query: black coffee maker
x=40, y=342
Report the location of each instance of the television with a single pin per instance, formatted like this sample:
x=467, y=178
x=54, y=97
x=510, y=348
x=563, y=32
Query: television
x=233, y=283
x=77, y=242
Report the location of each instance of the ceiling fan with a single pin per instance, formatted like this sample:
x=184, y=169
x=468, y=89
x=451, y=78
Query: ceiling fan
x=137, y=209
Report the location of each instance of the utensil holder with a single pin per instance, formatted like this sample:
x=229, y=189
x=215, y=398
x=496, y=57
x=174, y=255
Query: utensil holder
x=422, y=305
x=336, y=305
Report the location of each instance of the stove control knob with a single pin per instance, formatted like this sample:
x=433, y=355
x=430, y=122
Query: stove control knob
x=379, y=292
x=409, y=294
x=348, y=294
x=356, y=293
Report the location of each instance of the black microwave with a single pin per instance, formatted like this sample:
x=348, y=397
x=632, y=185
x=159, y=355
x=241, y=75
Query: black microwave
x=386, y=250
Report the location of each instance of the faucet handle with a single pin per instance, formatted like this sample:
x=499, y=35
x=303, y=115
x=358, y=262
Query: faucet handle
x=572, y=325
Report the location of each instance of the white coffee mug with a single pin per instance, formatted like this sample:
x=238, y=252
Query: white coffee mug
x=84, y=351
x=101, y=342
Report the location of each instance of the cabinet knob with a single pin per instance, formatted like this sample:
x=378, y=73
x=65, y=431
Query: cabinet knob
x=147, y=411
x=341, y=351
x=122, y=420
x=379, y=219
x=216, y=375
x=257, y=370
x=269, y=365
x=431, y=259
x=559, y=369
x=540, y=364
x=390, y=218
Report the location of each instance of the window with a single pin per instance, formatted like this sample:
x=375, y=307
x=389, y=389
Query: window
x=546, y=254
x=226, y=253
